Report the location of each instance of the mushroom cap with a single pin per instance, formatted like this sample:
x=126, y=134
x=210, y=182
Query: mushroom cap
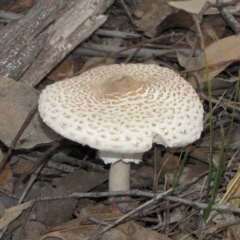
x=124, y=108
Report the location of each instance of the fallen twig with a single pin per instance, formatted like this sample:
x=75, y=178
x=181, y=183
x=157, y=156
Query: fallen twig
x=127, y=11
x=228, y=105
x=41, y=160
x=124, y=52
x=35, y=170
x=103, y=60
x=140, y=193
x=115, y=33
x=222, y=7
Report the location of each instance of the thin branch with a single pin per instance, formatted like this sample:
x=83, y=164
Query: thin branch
x=139, y=193
x=230, y=106
x=103, y=60
x=127, y=11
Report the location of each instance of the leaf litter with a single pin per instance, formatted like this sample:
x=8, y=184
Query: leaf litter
x=84, y=217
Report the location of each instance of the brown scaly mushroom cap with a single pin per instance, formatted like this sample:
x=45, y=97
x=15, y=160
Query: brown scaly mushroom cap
x=123, y=109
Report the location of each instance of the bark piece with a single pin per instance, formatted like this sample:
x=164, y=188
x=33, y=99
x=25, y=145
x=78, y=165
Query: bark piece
x=41, y=39
x=21, y=42
x=72, y=28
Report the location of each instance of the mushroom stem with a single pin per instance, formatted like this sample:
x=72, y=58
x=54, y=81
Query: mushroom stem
x=119, y=176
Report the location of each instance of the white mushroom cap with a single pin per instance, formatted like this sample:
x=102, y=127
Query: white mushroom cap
x=124, y=108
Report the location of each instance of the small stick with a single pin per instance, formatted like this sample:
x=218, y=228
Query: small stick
x=213, y=65
x=124, y=217
x=30, y=183
x=115, y=33
x=218, y=5
x=103, y=60
x=127, y=11
x=41, y=160
x=205, y=97
x=10, y=15
x=228, y=17
x=15, y=140
x=99, y=222
x=135, y=192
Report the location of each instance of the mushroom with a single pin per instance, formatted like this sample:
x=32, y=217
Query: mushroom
x=121, y=110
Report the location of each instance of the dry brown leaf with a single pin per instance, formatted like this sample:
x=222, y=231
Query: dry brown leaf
x=84, y=233
x=126, y=231
x=234, y=141
x=64, y=70
x=180, y=236
x=220, y=51
x=213, y=29
x=200, y=154
x=143, y=177
x=12, y=213
x=219, y=54
x=99, y=211
x=31, y=231
x=16, y=101
x=234, y=188
x=180, y=19
x=195, y=6
x=235, y=229
x=56, y=212
x=81, y=228
x=151, y=14
x=6, y=177
x=167, y=163
x=22, y=166
x=189, y=62
x=219, y=86
x=191, y=172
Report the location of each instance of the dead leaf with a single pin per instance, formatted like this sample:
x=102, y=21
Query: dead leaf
x=234, y=141
x=195, y=6
x=125, y=231
x=191, y=172
x=82, y=228
x=236, y=229
x=189, y=62
x=6, y=177
x=233, y=188
x=167, y=163
x=213, y=28
x=31, y=231
x=22, y=166
x=64, y=70
x=180, y=236
x=12, y=213
x=55, y=212
x=181, y=19
x=219, y=86
x=16, y=101
x=143, y=177
x=220, y=51
x=137, y=232
x=151, y=14
x=98, y=211
x=200, y=154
